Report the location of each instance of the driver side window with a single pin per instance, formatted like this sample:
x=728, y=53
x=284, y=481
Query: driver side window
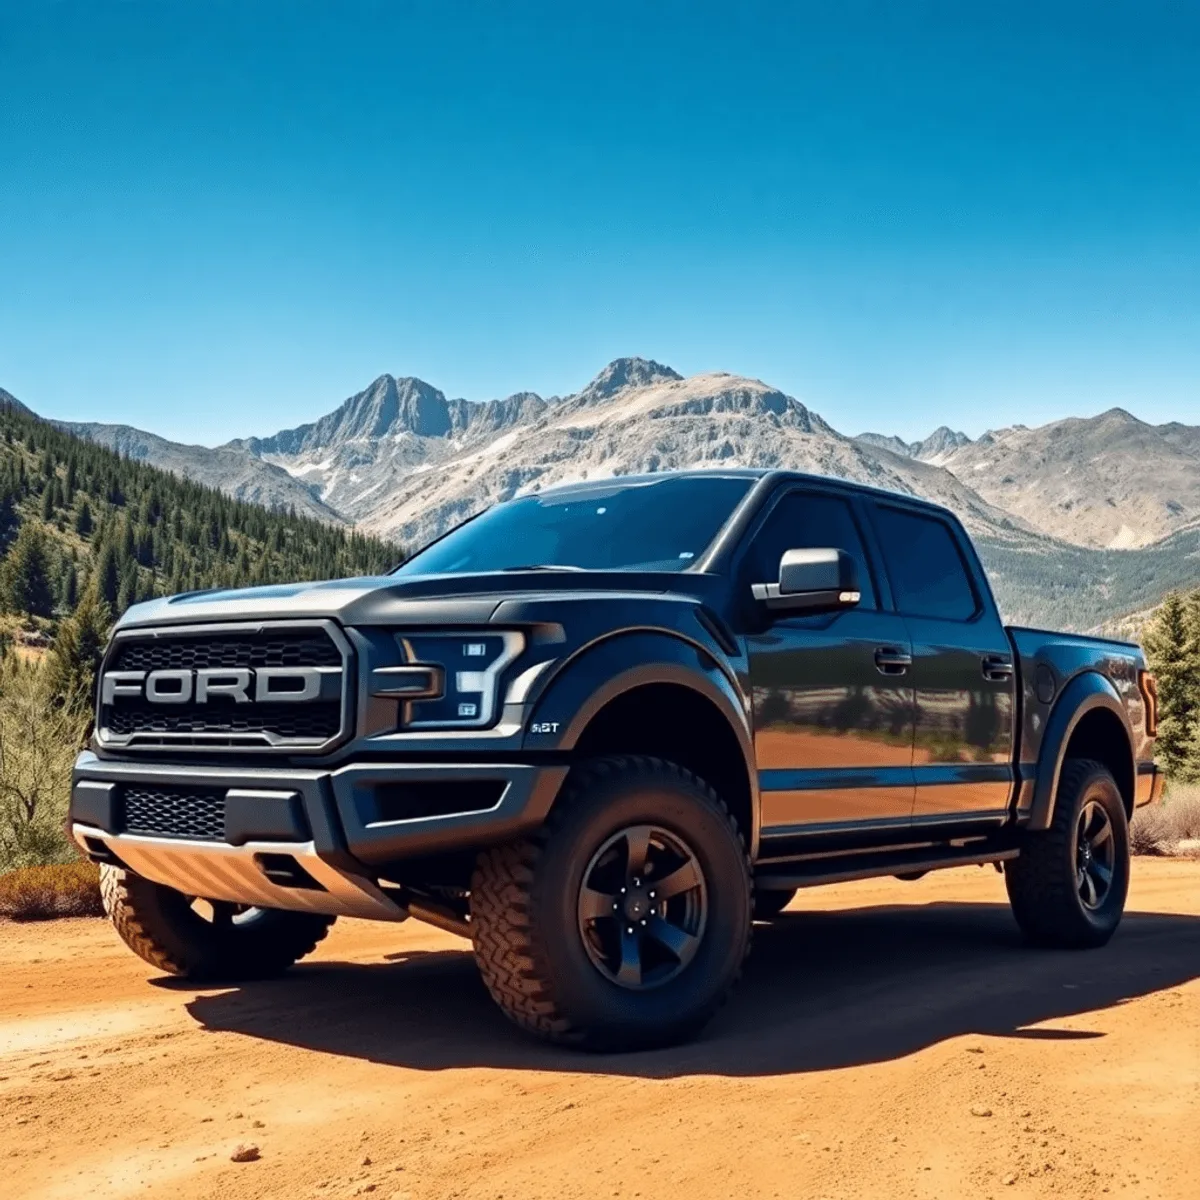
x=806, y=521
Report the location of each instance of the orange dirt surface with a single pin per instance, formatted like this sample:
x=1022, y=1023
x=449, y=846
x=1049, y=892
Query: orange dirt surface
x=889, y=1040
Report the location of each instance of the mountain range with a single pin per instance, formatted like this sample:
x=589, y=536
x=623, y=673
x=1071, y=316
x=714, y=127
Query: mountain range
x=1114, y=497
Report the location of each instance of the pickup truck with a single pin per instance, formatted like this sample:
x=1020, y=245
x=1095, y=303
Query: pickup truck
x=600, y=730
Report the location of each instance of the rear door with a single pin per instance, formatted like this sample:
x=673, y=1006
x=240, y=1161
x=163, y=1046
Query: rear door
x=963, y=674
x=833, y=702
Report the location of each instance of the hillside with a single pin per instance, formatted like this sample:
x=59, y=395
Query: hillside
x=1109, y=481
x=402, y=459
x=72, y=511
x=1061, y=586
x=242, y=476
x=1080, y=520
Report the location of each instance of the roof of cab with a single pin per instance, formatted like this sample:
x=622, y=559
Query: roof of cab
x=776, y=475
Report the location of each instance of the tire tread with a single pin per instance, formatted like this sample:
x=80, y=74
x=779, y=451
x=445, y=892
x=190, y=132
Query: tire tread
x=502, y=928
x=1041, y=893
x=135, y=907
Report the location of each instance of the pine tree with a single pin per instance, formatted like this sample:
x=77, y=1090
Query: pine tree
x=108, y=575
x=69, y=593
x=27, y=584
x=83, y=520
x=128, y=593
x=75, y=655
x=8, y=514
x=1172, y=644
x=49, y=497
x=126, y=543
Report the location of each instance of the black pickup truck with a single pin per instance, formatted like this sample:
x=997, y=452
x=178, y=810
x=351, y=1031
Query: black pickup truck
x=599, y=731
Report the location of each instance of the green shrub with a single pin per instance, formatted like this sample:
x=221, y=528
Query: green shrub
x=39, y=738
x=61, y=890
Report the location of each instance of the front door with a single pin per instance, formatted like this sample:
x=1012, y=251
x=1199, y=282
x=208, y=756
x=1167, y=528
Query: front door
x=833, y=701
x=962, y=672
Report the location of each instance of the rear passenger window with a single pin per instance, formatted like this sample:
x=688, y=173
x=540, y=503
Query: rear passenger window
x=808, y=521
x=929, y=578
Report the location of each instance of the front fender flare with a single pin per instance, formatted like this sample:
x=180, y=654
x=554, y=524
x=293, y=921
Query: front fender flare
x=612, y=666
x=1085, y=693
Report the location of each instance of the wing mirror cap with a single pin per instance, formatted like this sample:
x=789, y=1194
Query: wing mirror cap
x=820, y=580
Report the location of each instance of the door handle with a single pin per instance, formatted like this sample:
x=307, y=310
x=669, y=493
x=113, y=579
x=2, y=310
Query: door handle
x=996, y=668
x=891, y=661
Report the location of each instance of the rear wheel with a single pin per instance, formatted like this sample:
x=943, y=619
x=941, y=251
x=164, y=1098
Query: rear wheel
x=1068, y=886
x=623, y=924
x=205, y=939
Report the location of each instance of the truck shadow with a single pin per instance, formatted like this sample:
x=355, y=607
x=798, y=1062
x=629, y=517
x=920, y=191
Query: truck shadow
x=821, y=990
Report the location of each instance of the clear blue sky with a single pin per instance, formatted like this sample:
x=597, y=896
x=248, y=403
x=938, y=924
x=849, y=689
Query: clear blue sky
x=222, y=218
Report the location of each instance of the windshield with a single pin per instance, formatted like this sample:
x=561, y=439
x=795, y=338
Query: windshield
x=658, y=525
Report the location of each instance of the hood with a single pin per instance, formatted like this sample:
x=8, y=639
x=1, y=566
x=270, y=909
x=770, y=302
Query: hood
x=414, y=600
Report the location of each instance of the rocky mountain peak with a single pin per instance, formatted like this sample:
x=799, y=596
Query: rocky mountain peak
x=943, y=440
x=1118, y=416
x=890, y=442
x=624, y=373
x=389, y=405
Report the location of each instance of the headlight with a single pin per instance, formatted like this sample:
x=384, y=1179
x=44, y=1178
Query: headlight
x=469, y=666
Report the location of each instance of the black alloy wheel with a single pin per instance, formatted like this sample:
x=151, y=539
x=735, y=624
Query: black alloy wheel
x=1095, y=855
x=643, y=906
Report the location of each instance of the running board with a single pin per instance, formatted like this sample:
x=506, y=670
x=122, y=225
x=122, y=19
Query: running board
x=784, y=877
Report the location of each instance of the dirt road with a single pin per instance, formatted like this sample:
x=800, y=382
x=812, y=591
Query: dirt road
x=890, y=1039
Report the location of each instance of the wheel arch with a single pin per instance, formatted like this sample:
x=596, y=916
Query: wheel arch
x=1088, y=721
x=656, y=694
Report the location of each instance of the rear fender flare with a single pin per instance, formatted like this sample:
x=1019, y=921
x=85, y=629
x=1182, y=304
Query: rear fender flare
x=1084, y=694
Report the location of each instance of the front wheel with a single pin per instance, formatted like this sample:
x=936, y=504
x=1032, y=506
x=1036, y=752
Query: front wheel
x=1068, y=886
x=624, y=922
x=205, y=939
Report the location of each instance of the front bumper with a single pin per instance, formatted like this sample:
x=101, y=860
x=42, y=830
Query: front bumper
x=309, y=840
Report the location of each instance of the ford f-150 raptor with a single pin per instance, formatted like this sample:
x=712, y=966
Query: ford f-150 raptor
x=599, y=731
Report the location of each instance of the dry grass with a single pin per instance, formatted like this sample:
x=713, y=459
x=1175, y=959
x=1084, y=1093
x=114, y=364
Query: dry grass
x=62, y=890
x=1160, y=828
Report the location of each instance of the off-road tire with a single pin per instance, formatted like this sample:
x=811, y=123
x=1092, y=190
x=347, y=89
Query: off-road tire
x=1042, y=882
x=769, y=904
x=159, y=925
x=525, y=928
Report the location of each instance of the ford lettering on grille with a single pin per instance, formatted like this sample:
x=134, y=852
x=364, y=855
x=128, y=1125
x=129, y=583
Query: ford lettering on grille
x=271, y=686
x=242, y=685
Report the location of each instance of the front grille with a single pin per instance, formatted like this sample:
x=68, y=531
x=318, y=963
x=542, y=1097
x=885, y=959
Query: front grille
x=175, y=812
x=312, y=722
x=220, y=721
x=302, y=648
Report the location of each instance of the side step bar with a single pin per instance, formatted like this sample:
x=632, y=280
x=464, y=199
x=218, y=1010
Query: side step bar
x=908, y=861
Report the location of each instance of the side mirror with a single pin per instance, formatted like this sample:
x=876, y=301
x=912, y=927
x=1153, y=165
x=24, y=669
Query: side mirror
x=823, y=580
